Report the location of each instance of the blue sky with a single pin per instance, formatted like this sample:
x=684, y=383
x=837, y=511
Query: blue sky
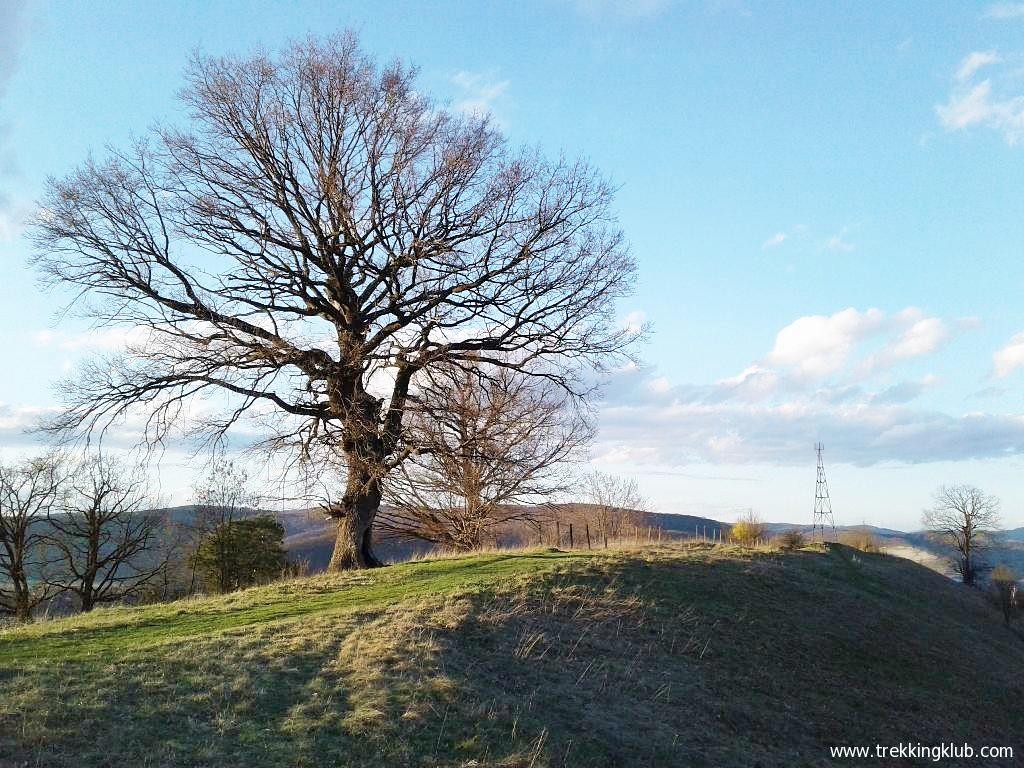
x=824, y=200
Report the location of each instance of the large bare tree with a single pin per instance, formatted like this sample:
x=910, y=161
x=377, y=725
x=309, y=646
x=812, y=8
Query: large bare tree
x=29, y=489
x=317, y=236
x=491, y=447
x=965, y=518
x=103, y=538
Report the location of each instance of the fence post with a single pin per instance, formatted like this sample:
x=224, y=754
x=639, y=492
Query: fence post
x=558, y=533
x=606, y=541
x=571, y=543
x=587, y=528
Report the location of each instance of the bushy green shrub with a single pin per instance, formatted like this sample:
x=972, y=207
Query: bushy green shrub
x=241, y=553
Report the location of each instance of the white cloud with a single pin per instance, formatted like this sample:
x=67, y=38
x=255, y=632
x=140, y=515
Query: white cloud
x=838, y=244
x=12, y=31
x=15, y=419
x=754, y=383
x=826, y=377
x=1005, y=11
x=976, y=104
x=775, y=240
x=819, y=345
x=479, y=93
x=659, y=385
x=1008, y=359
x=920, y=336
x=972, y=62
x=905, y=391
x=635, y=321
x=732, y=433
x=98, y=339
x=12, y=221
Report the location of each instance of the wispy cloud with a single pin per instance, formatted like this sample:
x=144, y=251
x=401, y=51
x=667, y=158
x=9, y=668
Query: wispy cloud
x=1005, y=11
x=12, y=32
x=838, y=243
x=920, y=336
x=972, y=62
x=790, y=234
x=12, y=35
x=973, y=103
x=479, y=93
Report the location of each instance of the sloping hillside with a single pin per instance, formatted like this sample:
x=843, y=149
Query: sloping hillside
x=688, y=656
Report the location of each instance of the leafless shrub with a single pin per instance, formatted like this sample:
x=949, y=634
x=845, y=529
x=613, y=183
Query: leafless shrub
x=862, y=539
x=792, y=539
x=1005, y=594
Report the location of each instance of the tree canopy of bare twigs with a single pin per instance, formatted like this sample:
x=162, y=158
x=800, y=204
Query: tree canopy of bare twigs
x=103, y=539
x=491, y=447
x=29, y=489
x=965, y=518
x=614, y=503
x=317, y=236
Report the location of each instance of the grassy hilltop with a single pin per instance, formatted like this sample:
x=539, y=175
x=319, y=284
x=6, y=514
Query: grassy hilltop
x=689, y=656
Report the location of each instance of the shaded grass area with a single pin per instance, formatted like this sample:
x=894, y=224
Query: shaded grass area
x=696, y=656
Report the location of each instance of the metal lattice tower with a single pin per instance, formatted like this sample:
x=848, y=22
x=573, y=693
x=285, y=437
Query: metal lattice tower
x=822, y=502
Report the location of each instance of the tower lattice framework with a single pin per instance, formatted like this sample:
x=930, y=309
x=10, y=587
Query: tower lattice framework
x=822, y=502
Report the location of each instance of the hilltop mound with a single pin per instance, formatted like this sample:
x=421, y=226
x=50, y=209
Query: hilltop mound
x=688, y=656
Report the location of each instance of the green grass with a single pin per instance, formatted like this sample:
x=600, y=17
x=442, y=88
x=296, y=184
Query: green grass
x=696, y=656
x=108, y=632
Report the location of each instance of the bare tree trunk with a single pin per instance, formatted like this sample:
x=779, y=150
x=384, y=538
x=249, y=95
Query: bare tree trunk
x=354, y=545
x=22, y=598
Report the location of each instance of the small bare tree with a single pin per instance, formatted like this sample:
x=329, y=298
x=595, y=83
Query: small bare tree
x=491, y=445
x=222, y=496
x=104, y=538
x=965, y=518
x=316, y=239
x=29, y=489
x=614, y=503
x=1004, y=591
